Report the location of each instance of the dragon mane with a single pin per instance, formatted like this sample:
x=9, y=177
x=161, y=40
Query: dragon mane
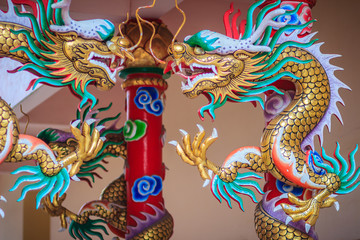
x=44, y=47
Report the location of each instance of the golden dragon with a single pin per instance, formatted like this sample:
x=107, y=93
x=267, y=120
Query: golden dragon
x=269, y=57
x=64, y=52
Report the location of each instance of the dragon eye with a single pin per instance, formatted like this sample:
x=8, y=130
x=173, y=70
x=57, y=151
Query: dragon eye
x=199, y=50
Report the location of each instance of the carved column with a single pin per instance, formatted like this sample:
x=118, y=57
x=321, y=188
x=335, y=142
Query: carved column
x=145, y=95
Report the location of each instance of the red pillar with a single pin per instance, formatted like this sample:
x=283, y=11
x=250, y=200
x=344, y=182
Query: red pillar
x=145, y=172
x=144, y=154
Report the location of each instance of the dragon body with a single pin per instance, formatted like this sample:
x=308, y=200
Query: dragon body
x=301, y=95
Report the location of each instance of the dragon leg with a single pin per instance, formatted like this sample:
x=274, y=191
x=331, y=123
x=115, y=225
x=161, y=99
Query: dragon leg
x=50, y=174
x=308, y=210
x=227, y=182
x=338, y=176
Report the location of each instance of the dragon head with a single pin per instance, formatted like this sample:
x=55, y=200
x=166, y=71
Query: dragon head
x=207, y=72
x=232, y=67
x=66, y=52
x=83, y=60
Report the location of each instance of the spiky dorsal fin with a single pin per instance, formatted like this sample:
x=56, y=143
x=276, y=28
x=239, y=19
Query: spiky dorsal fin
x=11, y=17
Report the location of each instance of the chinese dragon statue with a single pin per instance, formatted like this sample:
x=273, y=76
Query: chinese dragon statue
x=276, y=56
x=76, y=54
x=60, y=58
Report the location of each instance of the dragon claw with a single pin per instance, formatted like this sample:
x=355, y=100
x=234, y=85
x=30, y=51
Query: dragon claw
x=2, y=198
x=194, y=153
x=288, y=219
x=100, y=127
x=2, y=214
x=75, y=123
x=201, y=129
x=183, y=132
x=214, y=133
x=308, y=210
x=90, y=121
x=174, y=143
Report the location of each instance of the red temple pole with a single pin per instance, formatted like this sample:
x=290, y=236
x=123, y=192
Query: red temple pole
x=145, y=172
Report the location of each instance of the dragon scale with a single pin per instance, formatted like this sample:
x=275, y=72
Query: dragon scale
x=9, y=40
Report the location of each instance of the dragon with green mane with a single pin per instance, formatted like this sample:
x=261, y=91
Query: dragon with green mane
x=276, y=57
x=60, y=52
x=63, y=52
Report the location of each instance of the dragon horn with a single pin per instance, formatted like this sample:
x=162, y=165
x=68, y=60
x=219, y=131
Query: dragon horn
x=65, y=8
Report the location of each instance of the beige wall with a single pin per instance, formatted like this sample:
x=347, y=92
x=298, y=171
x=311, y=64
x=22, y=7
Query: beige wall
x=11, y=226
x=197, y=214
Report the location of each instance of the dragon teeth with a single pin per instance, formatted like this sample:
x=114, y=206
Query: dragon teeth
x=191, y=67
x=191, y=83
x=113, y=76
x=183, y=86
x=214, y=69
x=91, y=55
x=173, y=67
x=180, y=68
x=122, y=61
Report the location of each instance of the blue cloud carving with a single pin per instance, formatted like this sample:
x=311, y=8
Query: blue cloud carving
x=146, y=186
x=148, y=98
